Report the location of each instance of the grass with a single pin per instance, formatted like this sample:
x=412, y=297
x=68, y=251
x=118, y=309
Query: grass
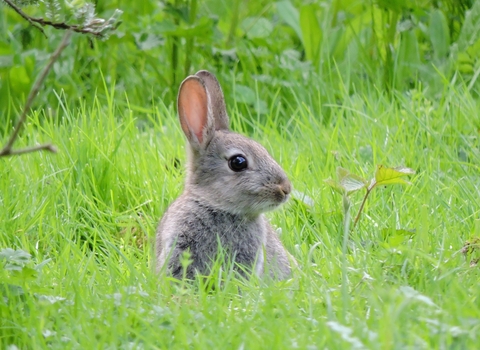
x=90, y=214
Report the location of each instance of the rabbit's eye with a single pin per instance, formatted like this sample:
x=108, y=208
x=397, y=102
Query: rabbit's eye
x=238, y=163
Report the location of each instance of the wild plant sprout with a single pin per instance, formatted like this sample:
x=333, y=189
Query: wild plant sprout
x=349, y=183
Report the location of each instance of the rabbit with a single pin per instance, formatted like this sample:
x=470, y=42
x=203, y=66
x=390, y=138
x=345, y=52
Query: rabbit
x=230, y=182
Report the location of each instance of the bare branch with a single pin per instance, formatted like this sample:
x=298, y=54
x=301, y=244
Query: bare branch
x=24, y=15
x=7, y=150
x=361, y=206
x=44, y=147
x=96, y=27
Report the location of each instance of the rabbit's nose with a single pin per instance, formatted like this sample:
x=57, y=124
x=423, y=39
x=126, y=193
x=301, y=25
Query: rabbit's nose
x=286, y=187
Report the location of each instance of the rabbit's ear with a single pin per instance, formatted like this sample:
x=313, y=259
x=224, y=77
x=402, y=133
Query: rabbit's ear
x=219, y=110
x=194, y=112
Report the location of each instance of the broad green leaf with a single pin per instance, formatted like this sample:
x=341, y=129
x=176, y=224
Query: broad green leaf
x=470, y=31
x=350, y=182
x=147, y=41
x=6, y=48
x=244, y=94
x=392, y=5
x=202, y=28
x=347, y=183
x=20, y=79
x=179, y=11
x=257, y=27
x=439, y=34
x=388, y=232
x=405, y=25
x=26, y=273
x=15, y=257
x=11, y=290
x=6, y=61
x=311, y=32
x=353, y=183
x=389, y=176
x=408, y=58
x=395, y=241
x=164, y=26
x=290, y=15
x=335, y=186
x=464, y=63
x=341, y=172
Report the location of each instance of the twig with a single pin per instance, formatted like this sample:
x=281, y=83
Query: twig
x=25, y=16
x=45, y=147
x=361, y=206
x=7, y=150
x=40, y=22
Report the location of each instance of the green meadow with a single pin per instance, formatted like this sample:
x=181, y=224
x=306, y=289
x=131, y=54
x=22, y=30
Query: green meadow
x=321, y=86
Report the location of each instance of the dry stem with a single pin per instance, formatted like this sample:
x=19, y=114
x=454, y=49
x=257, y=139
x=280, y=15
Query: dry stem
x=7, y=150
x=40, y=22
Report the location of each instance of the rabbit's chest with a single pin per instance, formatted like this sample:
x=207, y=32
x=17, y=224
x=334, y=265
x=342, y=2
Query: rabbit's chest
x=237, y=239
x=237, y=236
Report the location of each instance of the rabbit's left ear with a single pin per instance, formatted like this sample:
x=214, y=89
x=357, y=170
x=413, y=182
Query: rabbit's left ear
x=218, y=108
x=194, y=111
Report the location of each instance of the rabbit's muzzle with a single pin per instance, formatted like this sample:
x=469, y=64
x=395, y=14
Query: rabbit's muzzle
x=282, y=191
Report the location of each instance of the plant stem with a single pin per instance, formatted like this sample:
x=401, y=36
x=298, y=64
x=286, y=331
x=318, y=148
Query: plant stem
x=25, y=16
x=44, y=147
x=40, y=22
x=7, y=150
x=347, y=206
x=362, y=205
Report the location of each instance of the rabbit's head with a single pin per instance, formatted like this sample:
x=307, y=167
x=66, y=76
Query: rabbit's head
x=226, y=171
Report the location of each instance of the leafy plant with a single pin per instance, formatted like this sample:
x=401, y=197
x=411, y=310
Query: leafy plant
x=17, y=269
x=394, y=43
x=349, y=183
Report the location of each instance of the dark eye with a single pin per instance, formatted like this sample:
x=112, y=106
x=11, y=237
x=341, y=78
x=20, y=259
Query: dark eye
x=238, y=163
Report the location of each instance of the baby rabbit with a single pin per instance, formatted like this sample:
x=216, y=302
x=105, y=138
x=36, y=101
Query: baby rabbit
x=231, y=180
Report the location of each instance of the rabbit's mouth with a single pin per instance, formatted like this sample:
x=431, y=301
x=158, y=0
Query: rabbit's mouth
x=277, y=195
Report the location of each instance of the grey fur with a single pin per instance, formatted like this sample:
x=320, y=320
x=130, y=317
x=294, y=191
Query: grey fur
x=218, y=102
x=218, y=205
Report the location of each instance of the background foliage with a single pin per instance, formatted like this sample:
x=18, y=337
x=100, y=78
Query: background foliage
x=330, y=47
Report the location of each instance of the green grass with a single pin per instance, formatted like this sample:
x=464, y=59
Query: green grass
x=91, y=211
